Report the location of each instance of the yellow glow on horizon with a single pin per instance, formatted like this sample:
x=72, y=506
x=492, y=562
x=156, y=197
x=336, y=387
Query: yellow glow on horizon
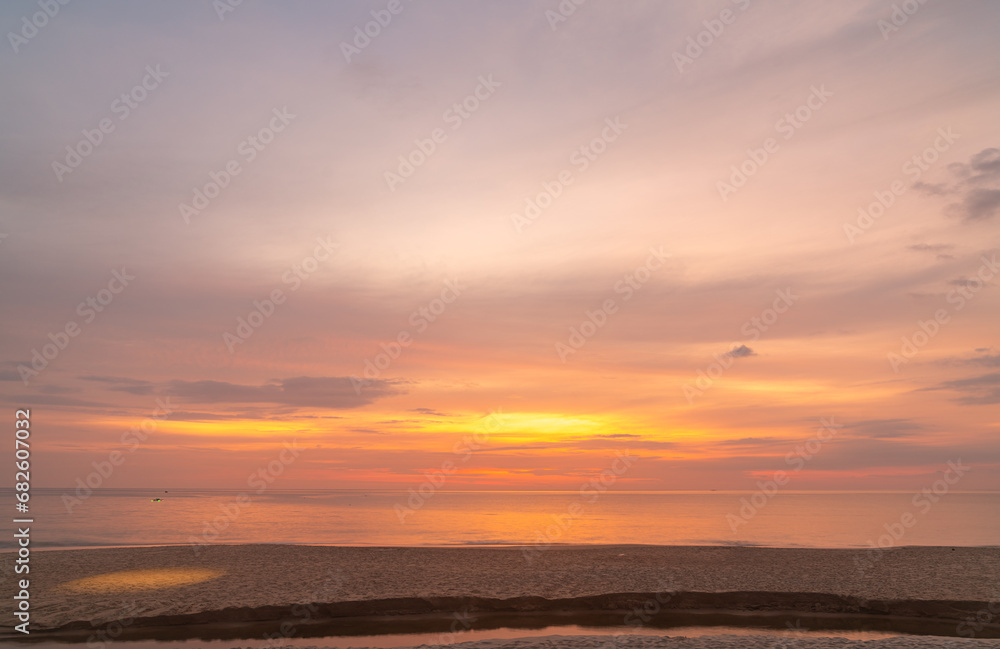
x=546, y=422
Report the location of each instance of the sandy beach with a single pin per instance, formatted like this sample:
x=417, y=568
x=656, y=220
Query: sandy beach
x=175, y=587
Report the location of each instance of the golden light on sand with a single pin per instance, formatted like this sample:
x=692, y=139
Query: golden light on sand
x=127, y=580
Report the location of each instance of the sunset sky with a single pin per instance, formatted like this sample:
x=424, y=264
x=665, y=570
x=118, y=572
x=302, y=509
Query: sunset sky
x=472, y=181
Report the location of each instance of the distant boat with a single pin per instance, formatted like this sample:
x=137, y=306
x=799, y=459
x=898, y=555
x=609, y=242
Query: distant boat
x=156, y=500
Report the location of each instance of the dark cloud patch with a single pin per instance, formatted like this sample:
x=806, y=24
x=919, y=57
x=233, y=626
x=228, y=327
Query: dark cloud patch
x=752, y=441
x=183, y=415
x=985, y=165
x=976, y=390
x=740, y=352
x=978, y=205
x=934, y=189
x=977, y=186
x=921, y=295
x=958, y=169
x=940, y=250
x=985, y=359
x=931, y=247
x=8, y=370
x=854, y=454
x=122, y=384
x=982, y=168
x=558, y=471
x=57, y=389
x=975, y=282
x=304, y=391
x=57, y=400
x=883, y=428
x=428, y=411
x=523, y=447
x=367, y=431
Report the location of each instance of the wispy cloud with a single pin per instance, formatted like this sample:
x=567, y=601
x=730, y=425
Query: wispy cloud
x=302, y=391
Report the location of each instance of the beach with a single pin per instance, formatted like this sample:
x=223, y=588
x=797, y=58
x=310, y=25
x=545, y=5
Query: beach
x=181, y=592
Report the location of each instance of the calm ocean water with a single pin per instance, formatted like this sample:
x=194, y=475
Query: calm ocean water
x=391, y=518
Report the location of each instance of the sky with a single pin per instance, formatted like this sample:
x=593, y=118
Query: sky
x=502, y=242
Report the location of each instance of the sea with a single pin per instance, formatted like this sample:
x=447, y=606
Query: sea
x=144, y=517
